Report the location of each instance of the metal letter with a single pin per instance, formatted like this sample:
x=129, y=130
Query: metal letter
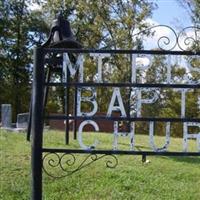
x=116, y=95
x=80, y=130
x=151, y=139
x=73, y=67
x=117, y=134
x=183, y=92
x=139, y=63
x=141, y=101
x=91, y=99
x=99, y=58
x=169, y=70
x=187, y=135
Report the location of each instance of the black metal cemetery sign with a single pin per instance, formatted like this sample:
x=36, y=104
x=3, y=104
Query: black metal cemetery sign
x=126, y=103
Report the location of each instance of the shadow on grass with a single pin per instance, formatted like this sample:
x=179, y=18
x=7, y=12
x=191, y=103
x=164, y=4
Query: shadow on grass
x=191, y=160
x=137, y=147
x=142, y=148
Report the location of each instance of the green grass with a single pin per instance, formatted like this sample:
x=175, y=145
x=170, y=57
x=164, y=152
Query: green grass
x=163, y=178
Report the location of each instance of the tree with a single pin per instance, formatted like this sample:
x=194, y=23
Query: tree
x=168, y=103
x=20, y=30
x=193, y=9
x=105, y=24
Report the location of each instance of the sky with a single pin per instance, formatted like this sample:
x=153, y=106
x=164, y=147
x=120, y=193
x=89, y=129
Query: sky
x=170, y=12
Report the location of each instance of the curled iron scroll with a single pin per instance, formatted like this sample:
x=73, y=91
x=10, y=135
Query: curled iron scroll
x=171, y=39
x=57, y=165
x=189, y=37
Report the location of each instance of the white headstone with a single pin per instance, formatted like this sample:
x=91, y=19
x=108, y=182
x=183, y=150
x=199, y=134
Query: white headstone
x=6, y=115
x=22, y=120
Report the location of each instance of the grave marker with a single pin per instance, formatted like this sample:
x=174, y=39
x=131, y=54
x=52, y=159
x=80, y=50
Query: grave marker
x=22, y=120
x=6, y=115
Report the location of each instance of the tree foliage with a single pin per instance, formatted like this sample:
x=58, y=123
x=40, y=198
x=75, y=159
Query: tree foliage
x=20, y=30
x=104, y=23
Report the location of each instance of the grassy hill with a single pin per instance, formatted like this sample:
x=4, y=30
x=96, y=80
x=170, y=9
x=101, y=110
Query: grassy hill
x=163, y=178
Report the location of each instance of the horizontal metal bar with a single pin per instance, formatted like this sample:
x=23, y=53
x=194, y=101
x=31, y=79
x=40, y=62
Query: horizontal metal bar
x=137, y=85
x=119, y=152
x=54, y=61
x=121, y=51
x=144, y=119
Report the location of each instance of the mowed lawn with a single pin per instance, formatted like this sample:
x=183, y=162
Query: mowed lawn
x=163, y=178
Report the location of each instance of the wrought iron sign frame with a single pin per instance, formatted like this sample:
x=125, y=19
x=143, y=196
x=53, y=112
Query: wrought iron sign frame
x=41, y=155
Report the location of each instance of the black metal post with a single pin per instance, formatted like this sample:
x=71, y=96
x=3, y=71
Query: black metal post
x=37, y=124
x=46, y=88
x=144, y=158
x=67, y=109
x=75, y=109
x=28, y=136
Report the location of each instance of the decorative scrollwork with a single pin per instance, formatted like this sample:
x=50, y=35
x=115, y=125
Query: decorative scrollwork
x=168, y=39
x=189, y=37
x=167, y=42
x=59, y=165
